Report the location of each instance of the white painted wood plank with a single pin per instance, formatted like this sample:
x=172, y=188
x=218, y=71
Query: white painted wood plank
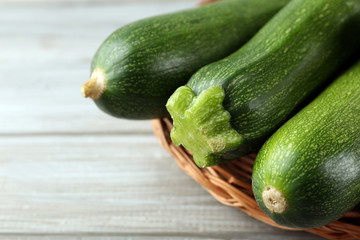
x=45, y=58
x=118, y=185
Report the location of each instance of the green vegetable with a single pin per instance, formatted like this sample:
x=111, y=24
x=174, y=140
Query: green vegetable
x=140, y=65
x=266, y=80
x=308, y=173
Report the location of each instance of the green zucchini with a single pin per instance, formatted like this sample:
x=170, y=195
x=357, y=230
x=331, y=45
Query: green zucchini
x=261, y=85
x=308, y=173
x=140, y=65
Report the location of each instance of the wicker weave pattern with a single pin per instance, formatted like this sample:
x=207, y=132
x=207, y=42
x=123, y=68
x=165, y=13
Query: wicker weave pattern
x=230, y=184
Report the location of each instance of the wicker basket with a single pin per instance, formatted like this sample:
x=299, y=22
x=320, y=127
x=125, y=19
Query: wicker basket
x=230, y=184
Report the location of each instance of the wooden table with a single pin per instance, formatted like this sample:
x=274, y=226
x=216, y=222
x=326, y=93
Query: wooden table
x=69, y=171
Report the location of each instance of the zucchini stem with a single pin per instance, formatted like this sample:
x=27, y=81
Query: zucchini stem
x=95, y=86
x=202, y=125
x=274, y=200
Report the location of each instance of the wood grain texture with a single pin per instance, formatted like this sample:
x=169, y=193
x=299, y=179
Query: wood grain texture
x=69, y=171
x=106, y=185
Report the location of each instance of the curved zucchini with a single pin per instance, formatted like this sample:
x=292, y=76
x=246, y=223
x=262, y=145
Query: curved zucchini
x=265, y=81
x=140, y=65
x=308, y=173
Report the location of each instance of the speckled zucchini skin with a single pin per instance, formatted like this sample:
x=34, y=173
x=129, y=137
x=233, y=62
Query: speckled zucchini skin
x=267, y=79
x=145, y=61
x=314, y=158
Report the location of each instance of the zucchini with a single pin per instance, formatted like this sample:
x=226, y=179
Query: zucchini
x=261, y=85
x=308, y=173
x=140, y=65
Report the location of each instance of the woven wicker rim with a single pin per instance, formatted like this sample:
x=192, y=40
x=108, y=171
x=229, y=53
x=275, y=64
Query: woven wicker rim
x=230, y=184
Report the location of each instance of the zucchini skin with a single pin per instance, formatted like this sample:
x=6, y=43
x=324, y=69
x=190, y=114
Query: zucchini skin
x=145, y=61
x=267, y=80
x=314, y=158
